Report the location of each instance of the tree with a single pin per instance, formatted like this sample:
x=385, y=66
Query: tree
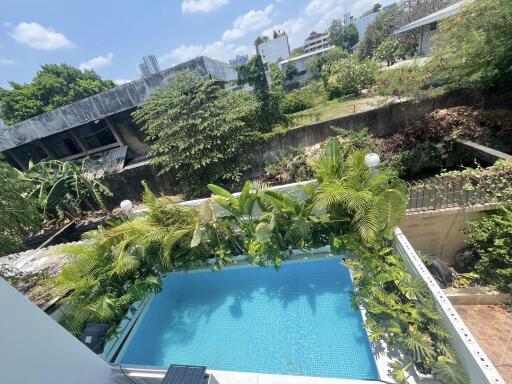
x=348, y=76
x=343, y=36
x=376, y=7
x=391, y=50
x=52, y=87
x=260, y=40
x=199, y=131
x=377, y=33
x=474, y=48
x=290, y=72
x=269, y=98
x=296, y=52
x=18, y=213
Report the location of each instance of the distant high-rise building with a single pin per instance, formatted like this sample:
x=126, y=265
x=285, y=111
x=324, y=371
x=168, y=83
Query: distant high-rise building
x=316, y=41
x=239, y=60
x=149, y=66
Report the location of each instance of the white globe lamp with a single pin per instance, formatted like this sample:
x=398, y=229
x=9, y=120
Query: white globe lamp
x=126, y=206
x=372, y=160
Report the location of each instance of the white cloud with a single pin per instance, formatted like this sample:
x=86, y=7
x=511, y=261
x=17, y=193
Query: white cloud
x=97, y=62
x=317, y=16
x=218, y=50
x=251, y=21
x=36, y=36
x=7, y=61
x=121, y=81
x=204, y=6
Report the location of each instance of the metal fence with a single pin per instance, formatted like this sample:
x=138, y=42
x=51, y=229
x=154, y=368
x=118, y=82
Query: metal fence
x=436, y=193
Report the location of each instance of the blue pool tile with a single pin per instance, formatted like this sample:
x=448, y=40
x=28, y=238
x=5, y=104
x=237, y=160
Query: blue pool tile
x=297, y=320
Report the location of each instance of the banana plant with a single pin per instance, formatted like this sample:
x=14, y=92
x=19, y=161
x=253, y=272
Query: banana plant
x=64, y=188
x=241, y=208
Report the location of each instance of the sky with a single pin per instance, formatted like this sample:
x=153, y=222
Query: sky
x=112, y=36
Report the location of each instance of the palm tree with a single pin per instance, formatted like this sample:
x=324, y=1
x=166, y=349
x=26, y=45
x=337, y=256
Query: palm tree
x=373, y=203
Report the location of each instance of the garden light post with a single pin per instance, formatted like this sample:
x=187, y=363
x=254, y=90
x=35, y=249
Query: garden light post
x=126, y=207
x=372, y=161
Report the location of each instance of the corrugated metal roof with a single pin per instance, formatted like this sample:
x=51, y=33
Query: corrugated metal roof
x=111, y=161
x=433, y=17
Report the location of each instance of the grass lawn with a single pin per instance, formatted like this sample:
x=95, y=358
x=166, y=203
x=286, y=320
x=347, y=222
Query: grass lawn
x=333, y=109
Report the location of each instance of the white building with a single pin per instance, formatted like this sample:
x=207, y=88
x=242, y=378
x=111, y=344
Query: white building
x=149, y=66
x=274, y=50
x=316, y=41
x=428, y=25
x=301, y=63
x=362, y=23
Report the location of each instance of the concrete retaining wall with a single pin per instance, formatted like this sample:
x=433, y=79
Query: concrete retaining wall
x=441, y=233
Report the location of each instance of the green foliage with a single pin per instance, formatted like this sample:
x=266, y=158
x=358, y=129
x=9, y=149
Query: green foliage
x=423, y=155
x=348, y=76
x=63, y=188
x=343, y=36
x=290, y=72
x=378, y=32
x=401, y=312
x=18, y=213
x=491, y=237
x=277, y=76
x=269, y=98
x=52, y=87
x=299, y=51
x=390, y=50
x=410, y=80
x=371, y=204
x=474, y=48
x=260, y=40
x=298, y=100
x=199, y=131
x=121, y=264
x=335, y=54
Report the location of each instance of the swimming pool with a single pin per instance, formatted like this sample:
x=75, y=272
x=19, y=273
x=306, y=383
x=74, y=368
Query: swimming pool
x=294, y=321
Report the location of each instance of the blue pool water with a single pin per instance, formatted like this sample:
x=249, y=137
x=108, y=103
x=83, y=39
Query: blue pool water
x=296, y=321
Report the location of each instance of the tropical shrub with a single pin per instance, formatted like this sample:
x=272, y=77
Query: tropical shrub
x=424, y=155
x=408, y=81
x=491, y=238
x=357, y=199
x=390, y=50
x=474, y=47
x=18, y=213
x=63, y=188
x=199, y=131
x=120, y=264
x=298, y=100
x=348, y=76
x=353, y=208
x=401, y=312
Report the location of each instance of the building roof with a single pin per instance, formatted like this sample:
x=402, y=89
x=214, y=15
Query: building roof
x=433, y=17
x=119, y=99
x=306, y=55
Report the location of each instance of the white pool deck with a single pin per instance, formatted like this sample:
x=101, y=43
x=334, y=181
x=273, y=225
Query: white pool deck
x=154, y=376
